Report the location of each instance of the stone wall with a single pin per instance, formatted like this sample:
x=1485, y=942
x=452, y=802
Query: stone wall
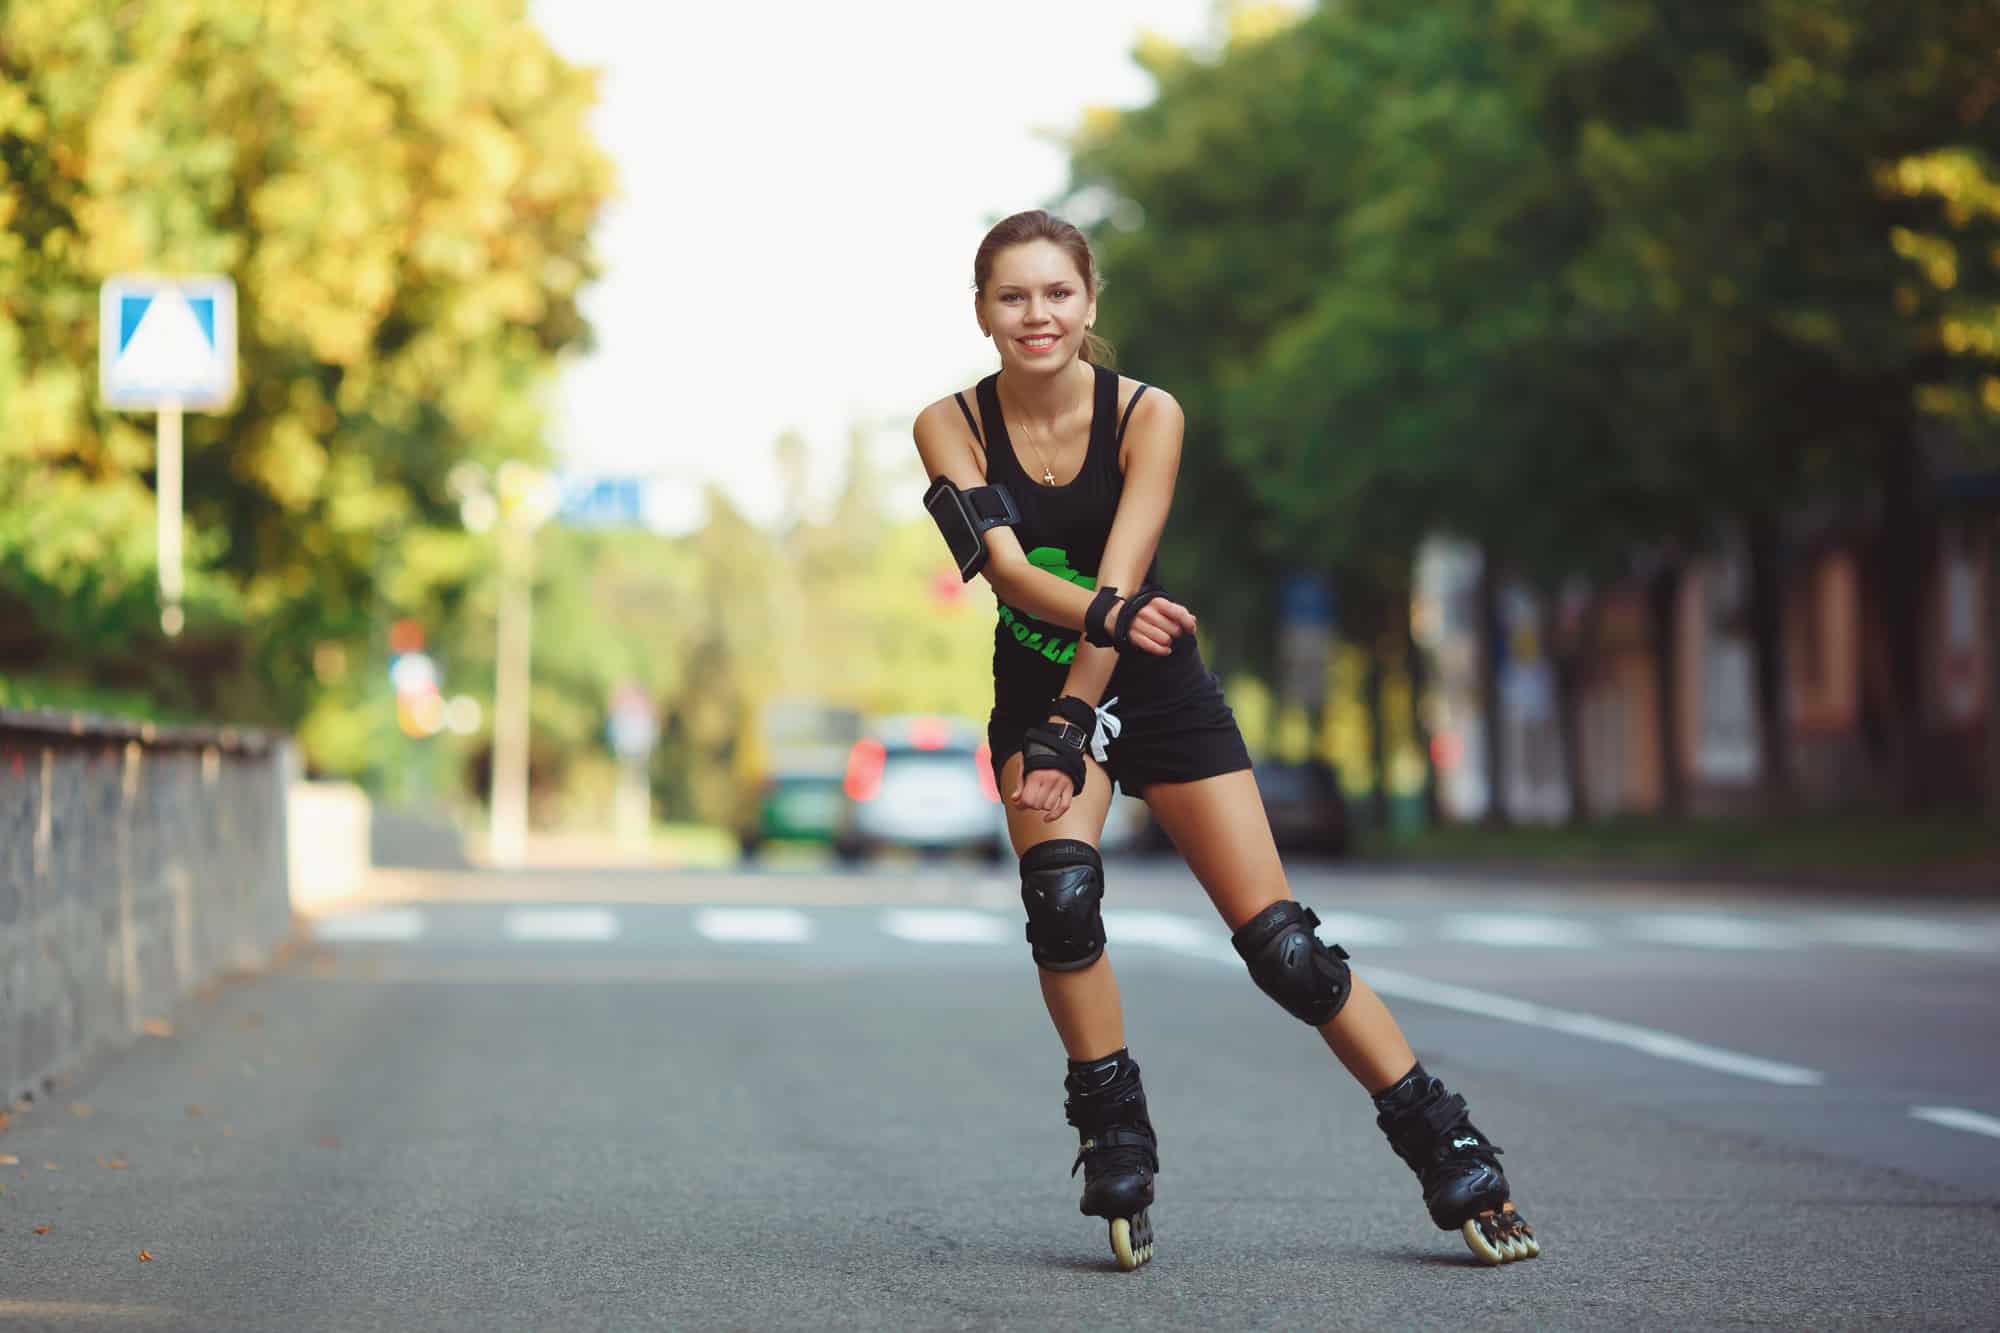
x=136, y=863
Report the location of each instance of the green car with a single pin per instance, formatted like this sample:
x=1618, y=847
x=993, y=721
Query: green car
x=799, y=805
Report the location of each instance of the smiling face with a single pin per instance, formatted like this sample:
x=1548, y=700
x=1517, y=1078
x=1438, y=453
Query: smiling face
x=1035, y=307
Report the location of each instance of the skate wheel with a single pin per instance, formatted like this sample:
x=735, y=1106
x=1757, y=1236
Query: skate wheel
x=1500, y=1237
x=1475, y=1240
x=1131, y=1241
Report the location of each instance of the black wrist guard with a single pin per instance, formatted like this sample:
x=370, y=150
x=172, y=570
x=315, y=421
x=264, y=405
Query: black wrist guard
x=1093, y=620
x=1121, y=633
x=1072, y=709
x=1060, y=749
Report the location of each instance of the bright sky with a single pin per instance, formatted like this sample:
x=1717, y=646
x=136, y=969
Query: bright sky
x=801, y=188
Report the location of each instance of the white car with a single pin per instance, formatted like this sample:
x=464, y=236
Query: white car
x=925, y=782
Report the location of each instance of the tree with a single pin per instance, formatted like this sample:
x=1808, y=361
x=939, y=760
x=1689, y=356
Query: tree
x=403, y=193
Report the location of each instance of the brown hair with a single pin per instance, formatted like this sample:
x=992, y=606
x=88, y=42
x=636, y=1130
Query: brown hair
x=1037, y=224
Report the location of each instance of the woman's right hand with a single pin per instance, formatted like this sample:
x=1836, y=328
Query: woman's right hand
x=1159, y=622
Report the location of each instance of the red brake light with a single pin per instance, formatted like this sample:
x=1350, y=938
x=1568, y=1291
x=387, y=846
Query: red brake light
x=929, y=733
x=982, y=759
x=864, y=770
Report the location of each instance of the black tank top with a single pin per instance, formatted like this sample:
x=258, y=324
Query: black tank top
x=1063, y=530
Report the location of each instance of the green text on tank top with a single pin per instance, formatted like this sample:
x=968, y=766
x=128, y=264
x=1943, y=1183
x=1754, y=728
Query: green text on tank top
x=1062, y=526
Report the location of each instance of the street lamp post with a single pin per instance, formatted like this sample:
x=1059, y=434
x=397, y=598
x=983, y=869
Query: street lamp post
x=521, y=499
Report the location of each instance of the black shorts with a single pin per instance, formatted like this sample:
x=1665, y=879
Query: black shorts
x=1195, y=738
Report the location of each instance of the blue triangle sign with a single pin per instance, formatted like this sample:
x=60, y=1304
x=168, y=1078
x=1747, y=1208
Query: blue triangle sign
x=131, y=310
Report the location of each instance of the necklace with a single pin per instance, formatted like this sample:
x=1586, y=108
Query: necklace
x=1048, y=474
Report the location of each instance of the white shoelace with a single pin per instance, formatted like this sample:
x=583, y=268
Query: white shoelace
x=1106, y=731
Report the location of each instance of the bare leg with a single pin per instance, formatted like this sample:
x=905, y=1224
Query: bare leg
x=1083, y=1004
x=1219, y=826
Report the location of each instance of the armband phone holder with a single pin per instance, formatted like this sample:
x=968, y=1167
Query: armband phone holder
x=964, y=516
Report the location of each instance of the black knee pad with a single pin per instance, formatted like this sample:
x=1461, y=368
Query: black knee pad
x=1289, y=964
x=1062, y=886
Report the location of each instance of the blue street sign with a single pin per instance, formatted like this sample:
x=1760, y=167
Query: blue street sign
x=603, y=502
x=166, y=341
x=1306, y=599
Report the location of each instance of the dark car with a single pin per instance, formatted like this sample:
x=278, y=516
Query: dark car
x=1303, y=802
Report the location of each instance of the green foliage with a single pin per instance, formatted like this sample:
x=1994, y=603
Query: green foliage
x=402, y=193
x=1561, y=275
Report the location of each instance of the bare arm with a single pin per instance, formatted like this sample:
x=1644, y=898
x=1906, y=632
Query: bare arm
x=948, y=450
x=1152, y=463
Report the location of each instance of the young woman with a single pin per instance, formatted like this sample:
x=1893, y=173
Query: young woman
x=1054, y=481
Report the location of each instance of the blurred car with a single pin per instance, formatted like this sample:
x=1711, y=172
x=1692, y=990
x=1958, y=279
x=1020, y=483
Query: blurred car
x=923, y=782
x=1308, y=814
x=1302, y=801
x=794, y=762
x=795, y=805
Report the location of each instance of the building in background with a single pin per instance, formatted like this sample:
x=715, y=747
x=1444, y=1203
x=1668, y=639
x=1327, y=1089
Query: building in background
x=1835, y=682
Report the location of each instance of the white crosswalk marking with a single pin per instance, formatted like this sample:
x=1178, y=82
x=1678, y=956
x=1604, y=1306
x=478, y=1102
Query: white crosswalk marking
x=941, y=925
x=560, y=923
x=1517, y=931
x=1955, y=1117
x=1711, y=930
x=1898, y=932
x=780, y=925
x=400, y=923
x=1351, y=929
x=1168, y=930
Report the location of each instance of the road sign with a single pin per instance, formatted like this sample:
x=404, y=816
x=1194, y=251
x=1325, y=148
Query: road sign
x=603, y=502
x=634, y=725
x=166, y=342
x=1306, y=619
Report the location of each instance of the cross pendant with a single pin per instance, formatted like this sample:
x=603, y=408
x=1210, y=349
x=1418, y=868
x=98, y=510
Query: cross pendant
x=1048, y=477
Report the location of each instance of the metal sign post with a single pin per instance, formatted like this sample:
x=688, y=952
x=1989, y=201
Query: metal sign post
x=634, y=728
x=165, y=345
x=172, y=618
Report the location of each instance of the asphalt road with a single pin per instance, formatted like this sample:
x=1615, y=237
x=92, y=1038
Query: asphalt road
x=796, y=1099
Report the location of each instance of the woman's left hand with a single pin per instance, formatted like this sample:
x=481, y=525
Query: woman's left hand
x=1047, y=790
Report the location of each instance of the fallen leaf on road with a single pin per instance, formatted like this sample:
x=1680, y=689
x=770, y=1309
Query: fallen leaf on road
x=80, y=1108
x=116, y=1164
x=329, y=1140
x=145, y=1256
x=196, y=1110
x=227, y=1132
x=5, y=1116
x=9, y=1160
x=41, y=1231
x=157, y=1027
x=50, y=1166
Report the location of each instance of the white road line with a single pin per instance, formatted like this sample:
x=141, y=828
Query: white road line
x=1653, y=1042
x=944, y=925
x=1511, y=931
x=771, y=924
x=1901, y=932
x=399, y=923
x=1952, y=1117
x=1354, y=929
x=560, y=923
x=1167, y=930
x=1711, y=930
